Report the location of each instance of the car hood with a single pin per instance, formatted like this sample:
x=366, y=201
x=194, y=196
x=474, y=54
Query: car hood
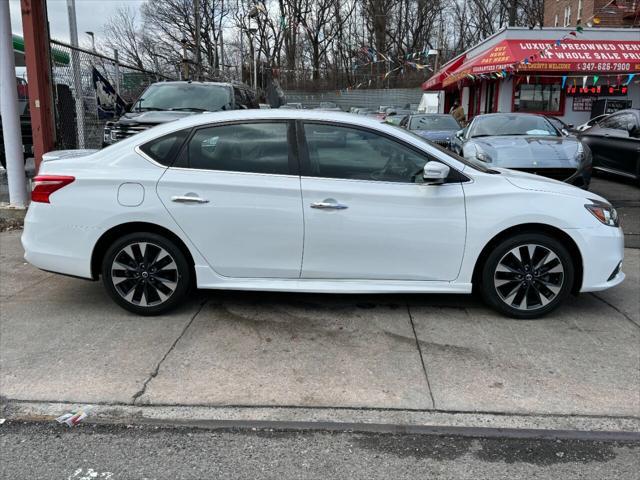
x=527, y=151
x=434, y=134
x=529, y=181
x=152, y=117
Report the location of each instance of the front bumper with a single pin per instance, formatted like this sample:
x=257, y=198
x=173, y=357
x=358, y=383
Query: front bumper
x=602, y=250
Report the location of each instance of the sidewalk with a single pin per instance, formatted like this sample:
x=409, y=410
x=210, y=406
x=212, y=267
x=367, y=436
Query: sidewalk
x=398, y=359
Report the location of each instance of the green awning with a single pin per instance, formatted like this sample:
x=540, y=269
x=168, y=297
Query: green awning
x=59, y=57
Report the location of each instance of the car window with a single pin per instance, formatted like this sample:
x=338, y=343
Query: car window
x=434, y=122
x=185, y=97
x=505, y=124
x=621, y=121
x=610, y=122
x=164, y=149
x=351, y=153
x=252, y=147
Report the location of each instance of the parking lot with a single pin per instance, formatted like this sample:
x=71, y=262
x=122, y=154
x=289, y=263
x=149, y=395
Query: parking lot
x=63, y=341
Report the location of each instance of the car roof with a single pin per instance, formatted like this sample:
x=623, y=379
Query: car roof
x=252, y=115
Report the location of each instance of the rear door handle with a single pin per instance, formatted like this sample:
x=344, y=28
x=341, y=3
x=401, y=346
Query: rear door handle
x=188, y=199
x=329, y=206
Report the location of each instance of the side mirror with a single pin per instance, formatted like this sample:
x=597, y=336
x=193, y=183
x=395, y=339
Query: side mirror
x=460, y=134
x=570, y=125
x=435, y=173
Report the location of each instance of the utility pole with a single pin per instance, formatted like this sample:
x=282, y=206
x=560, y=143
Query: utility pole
x=77, y=78
x=185, y=61
x=513, y=12
x=10, y=116
x=439, y=47
x=198, y=73
x=117, y=69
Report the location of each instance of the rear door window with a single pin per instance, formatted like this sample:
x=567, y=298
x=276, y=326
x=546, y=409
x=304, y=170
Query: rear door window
x=248, y=147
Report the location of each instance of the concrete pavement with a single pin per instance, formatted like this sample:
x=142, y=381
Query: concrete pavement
x=399, y=357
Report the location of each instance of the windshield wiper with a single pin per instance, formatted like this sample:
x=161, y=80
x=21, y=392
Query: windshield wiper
x=149, y=109
x=188, y=109
x=482, y=135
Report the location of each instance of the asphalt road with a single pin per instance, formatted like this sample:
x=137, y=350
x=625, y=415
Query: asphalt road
x=51, y=451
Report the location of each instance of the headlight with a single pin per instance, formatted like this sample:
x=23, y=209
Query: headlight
x=483, y=156
x=605, y=213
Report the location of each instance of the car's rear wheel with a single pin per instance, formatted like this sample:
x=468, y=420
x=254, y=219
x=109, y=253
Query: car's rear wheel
x=527, y=276
x=146, y=273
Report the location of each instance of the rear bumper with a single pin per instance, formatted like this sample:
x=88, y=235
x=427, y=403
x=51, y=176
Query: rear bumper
x=52, y=244
x=602, y=250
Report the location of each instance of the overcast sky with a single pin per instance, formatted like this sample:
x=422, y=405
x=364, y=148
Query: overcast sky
x=91, y=16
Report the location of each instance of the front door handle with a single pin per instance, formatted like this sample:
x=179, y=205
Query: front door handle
x=188, y=199
x=329, y=205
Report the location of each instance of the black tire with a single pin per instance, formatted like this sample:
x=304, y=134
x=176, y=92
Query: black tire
x=529, y=283
x=154, y=276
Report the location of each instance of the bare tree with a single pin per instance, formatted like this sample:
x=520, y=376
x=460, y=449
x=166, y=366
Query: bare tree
x=316, y=43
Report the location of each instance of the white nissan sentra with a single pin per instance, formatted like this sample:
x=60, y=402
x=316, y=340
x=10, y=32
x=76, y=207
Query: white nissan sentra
x=313, y=201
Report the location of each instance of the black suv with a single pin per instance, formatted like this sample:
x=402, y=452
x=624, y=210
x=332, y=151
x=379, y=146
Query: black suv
x=167, y=101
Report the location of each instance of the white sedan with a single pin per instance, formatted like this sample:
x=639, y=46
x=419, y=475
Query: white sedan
x=313, y=201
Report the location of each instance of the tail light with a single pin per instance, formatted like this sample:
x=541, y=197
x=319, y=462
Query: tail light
x=45, y=185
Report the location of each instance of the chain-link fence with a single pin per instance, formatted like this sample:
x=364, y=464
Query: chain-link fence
x=79, y=120
x=365, y=98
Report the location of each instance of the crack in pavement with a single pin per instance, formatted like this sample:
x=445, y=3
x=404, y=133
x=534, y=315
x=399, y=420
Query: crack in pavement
x=155, y=371
x=616, y=309
x=424, y=367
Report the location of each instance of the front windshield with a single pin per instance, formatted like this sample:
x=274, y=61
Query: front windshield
x=494, y=125
x=475, y=164
x=433, y=122
x=185, y=97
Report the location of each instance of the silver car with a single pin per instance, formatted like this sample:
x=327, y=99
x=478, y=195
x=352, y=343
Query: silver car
x=525, y=142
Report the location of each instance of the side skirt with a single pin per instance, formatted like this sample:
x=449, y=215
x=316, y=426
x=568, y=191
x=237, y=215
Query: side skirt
x=206, y=279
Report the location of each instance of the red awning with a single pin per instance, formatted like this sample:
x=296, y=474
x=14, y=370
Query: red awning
x=570, y=56
x=435, y=82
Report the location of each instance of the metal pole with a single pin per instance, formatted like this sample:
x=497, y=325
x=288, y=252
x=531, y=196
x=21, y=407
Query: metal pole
x=77, y=79
x=255, y=63
x=198, y=72
x=117, y=66
x=10, y=116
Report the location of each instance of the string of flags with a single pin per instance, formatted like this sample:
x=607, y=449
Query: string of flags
x=373, y=56
x=573, y=34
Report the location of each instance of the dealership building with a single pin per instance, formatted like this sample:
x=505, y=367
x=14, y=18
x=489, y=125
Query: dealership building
x=563, y=72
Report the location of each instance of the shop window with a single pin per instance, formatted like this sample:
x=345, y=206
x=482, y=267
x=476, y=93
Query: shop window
x=538, y=98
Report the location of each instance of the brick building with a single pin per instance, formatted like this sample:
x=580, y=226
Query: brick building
x=600, y=13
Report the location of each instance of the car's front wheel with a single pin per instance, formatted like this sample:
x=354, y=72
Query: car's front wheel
x=527, y=276
x=146, y=273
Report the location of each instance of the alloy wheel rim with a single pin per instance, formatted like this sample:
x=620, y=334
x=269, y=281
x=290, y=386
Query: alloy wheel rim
x=144, y=274
x=529, y=277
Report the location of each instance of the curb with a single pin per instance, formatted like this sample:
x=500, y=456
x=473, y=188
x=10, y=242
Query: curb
x=469, y=424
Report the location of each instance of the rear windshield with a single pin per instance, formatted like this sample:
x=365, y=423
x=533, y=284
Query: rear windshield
x=185, y=97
